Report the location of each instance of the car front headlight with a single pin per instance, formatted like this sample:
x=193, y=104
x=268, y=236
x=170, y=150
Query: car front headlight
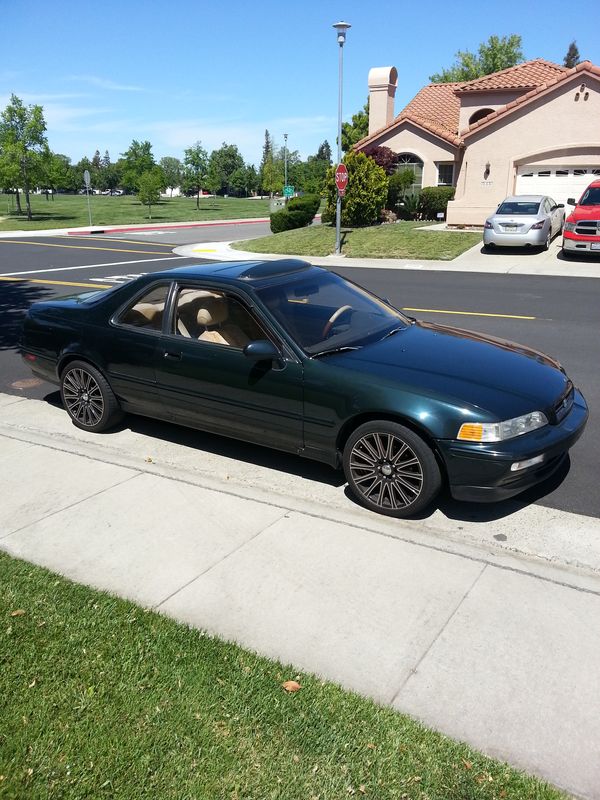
x=499, y=431
x=570, y=226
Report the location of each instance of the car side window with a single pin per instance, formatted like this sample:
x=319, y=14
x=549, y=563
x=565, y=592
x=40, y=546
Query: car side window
x=148, y=310
x=214, y=318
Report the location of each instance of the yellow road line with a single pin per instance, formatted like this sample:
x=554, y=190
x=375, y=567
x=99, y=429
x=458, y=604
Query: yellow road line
x=58, y=283
x=466, y=313
x=109, y=239
x=79, y=247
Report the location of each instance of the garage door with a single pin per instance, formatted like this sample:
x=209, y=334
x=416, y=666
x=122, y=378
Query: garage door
x=557, y=182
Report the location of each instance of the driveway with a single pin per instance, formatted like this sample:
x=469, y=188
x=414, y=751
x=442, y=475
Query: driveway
x=508, y=257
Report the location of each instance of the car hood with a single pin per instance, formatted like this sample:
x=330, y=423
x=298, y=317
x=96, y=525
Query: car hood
x=584, y=212
x=498, y=376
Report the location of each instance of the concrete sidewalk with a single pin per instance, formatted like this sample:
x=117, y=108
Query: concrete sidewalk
x=496, y=642
x=472, y=260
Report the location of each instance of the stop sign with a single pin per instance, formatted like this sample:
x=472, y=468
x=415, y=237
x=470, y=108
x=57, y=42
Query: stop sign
x=341, y=178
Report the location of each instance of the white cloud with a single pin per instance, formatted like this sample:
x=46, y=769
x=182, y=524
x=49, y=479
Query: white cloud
x=304, y=134
x=105, y=83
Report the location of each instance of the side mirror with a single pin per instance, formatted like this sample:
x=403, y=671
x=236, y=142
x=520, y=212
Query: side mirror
x=560, y=205
x=262, y=350
x=571, y=201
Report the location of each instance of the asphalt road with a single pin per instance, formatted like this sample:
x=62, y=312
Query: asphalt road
x=556, y=315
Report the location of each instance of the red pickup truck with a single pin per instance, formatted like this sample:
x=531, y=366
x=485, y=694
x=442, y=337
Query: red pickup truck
x=581, y=233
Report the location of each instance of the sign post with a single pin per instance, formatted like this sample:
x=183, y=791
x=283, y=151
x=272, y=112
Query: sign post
x=87, y=181
x=288, y=191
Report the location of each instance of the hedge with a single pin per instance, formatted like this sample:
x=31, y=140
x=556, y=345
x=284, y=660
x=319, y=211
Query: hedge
x=434, y=200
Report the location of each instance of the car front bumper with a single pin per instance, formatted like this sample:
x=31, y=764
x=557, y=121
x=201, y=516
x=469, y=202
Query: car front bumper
x=535, y=238
x=482, y=472
x=580, y=244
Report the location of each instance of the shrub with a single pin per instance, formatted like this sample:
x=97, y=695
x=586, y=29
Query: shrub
x=383, y=157
x=365, y=194
x=288, y=220
x=398, y=185
x=308, y=202
x=434, y=200
x=409, y=206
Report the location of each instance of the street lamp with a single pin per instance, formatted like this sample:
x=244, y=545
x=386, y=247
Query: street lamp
x=285, y=161
x=341, y=28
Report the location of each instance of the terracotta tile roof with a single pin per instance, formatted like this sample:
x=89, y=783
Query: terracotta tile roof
x=437, y=104
x=527, y=75
x=564, y=75
x=436, y=107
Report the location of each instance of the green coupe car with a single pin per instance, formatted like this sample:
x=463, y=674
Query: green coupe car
x=294, y=357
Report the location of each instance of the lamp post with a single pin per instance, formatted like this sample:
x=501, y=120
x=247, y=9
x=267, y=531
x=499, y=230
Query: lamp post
x=341, y=28
x=285, y=162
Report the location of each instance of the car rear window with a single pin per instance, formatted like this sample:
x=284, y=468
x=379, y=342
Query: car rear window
x=518, y=207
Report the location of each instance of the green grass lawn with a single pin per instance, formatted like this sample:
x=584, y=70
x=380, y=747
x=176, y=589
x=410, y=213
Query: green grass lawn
x=100, y=698
x=67, y=211
x=400, y=240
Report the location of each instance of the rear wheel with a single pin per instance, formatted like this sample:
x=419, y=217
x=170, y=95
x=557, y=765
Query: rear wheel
x=88, y=398
x=546, y=245
x=390, y=469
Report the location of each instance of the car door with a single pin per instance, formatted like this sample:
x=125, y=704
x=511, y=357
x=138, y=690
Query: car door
x=129, y=348
x=206, y=381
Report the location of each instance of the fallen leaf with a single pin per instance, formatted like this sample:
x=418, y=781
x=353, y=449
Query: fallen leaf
x=148, y=460
x=19, y=612
x=468, y=764
x=295, y=759
x=32, y=684
x=362, y=789
x=291, y=686
x=371, y=746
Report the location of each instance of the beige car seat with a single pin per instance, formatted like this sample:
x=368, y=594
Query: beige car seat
x=213, y=317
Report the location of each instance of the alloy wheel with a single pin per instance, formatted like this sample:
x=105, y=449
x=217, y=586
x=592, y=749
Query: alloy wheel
x=83, y=397
x=386, y=471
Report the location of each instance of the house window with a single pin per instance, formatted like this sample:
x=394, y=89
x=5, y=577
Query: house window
x=480, y=114
x=544, y=173
x=561, y=172
x=410, y=161
x=580, y=172
x=446, y=174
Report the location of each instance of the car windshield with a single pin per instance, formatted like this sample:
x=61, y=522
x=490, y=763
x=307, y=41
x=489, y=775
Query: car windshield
x=323, y=312
x=521, y=207
x=591, y=197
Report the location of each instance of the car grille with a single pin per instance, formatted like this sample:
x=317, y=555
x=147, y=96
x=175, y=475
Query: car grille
x=564, y=404
x=588, y=227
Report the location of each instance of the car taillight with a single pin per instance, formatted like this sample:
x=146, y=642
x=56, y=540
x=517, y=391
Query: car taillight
x=29, y=357
x=488, y=224
x=537, y=226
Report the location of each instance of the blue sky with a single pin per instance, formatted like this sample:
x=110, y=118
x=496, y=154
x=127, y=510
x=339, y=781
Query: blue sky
x=173, y=73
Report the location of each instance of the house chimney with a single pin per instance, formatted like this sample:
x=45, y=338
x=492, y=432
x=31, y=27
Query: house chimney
x=382, y=88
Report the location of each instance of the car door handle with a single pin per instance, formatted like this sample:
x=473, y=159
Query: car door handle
x=172, y=356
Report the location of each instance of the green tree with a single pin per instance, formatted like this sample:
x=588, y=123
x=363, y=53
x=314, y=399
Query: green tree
x=267, y=156
x=492, y=56
x=223, y=163
x=324, y=151
x=572, y=57
x=150, y=185
x=366, y=192
x=172, y=170
x=23, y=141
x=137, y=160
x=196, y=166
x=353, y=132
x=58, y=173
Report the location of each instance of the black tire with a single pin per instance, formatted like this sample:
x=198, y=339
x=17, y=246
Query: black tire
x=546, y=245
x=88, y=398
x=390, y=469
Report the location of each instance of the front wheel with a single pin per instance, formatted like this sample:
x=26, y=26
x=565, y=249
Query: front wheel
x=88, y=398
x=390, y=469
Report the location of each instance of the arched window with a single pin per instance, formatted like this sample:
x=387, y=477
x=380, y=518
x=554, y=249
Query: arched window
x=480, y=114
x=410, y=161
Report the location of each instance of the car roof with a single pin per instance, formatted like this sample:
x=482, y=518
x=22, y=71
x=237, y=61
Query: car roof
x=255, y=272
x=525, y=198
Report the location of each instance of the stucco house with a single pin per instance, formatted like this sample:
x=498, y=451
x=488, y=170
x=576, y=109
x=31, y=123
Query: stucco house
x=529, y=129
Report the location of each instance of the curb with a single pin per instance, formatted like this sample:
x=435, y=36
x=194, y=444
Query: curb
x=165, y=226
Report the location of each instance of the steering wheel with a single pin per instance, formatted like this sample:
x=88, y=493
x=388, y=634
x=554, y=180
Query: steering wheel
x=333, y=319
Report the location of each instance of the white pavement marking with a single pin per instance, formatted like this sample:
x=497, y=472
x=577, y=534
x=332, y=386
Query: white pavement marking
x=90, y=266
x=119, y=278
